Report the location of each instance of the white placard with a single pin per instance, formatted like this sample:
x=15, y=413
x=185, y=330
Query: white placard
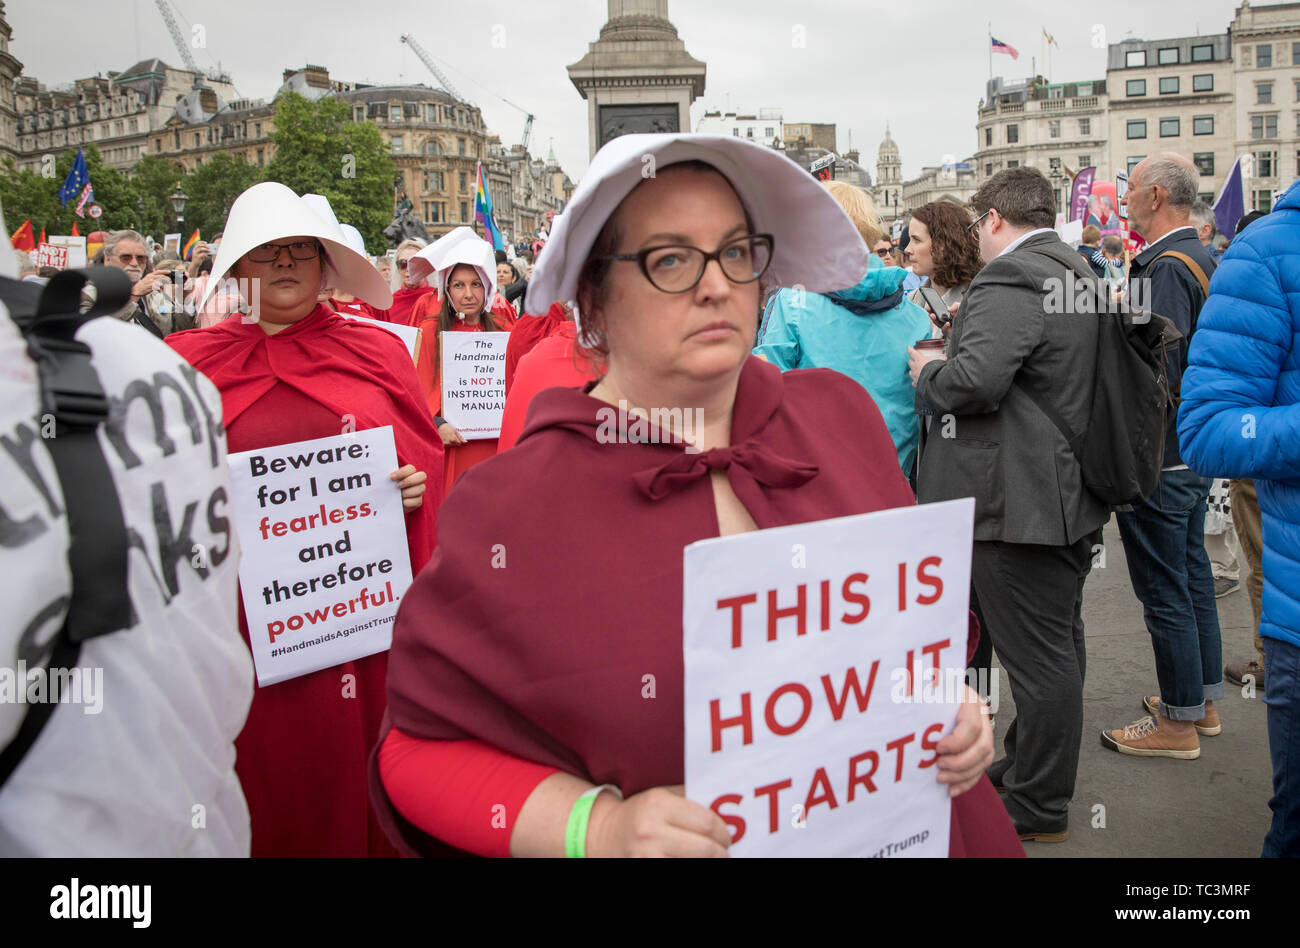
x=172, y=244
x=1071, y=232
x=76, y=247
x=474, y=382
x=410, y=335
x=325, y=561
x=812, y=710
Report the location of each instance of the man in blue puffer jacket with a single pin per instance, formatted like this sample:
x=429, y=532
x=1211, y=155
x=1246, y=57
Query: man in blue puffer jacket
x=1240, y=417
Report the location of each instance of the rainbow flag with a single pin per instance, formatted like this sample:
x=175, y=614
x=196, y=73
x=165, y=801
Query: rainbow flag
x=483, y=211
x=189, y=244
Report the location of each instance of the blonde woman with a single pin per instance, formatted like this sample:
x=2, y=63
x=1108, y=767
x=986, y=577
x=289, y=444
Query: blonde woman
x=406, y=292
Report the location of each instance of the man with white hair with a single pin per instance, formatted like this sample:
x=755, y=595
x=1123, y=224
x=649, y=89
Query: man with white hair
x=1202, y=218
x=126, y=250
x=1163, y=535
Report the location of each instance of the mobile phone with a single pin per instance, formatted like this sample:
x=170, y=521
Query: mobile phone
x=938, y=308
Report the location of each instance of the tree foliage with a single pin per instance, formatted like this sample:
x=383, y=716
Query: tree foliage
x=212, y=187
x=319, y=149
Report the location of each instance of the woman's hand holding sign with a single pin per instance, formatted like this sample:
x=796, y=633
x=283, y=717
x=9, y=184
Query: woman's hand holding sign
x=966, y=753
x=656, y=822
x=450, y=436
x=412, y=485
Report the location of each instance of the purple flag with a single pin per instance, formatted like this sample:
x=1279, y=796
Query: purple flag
x=1231, y=205
x=1079, y=191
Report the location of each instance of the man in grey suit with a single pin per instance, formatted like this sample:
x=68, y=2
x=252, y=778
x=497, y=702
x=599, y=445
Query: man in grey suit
x=1036, y=525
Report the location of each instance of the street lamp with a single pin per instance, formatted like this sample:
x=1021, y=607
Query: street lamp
x=178, y=204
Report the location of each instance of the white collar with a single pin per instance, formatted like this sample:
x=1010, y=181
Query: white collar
x=1020, y=240
x=1164, y=237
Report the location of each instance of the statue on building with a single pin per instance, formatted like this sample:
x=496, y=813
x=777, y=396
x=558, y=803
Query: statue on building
x=405, y=224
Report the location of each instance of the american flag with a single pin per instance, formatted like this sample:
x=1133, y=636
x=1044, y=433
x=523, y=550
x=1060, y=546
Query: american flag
x=1001, y=47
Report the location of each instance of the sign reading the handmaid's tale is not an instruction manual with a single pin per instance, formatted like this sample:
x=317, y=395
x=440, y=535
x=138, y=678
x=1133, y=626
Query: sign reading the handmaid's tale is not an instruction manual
x=325, y=559
x=824, y=663
x=474, y=382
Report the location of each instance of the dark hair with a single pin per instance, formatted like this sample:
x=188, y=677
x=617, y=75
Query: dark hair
x=1022, y=196
x=501, y=256
x=593, y=278
x=1249, y=219
x=1112, y=245
x=956, y=257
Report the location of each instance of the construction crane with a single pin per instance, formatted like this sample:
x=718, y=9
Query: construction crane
x=528, y=122
x=425, y=58
x=179, y=39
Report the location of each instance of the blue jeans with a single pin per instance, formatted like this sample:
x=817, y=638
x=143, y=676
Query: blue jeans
x=1164, y=541
x=1282, y=695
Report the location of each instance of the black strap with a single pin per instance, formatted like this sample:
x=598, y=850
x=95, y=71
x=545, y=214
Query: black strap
x=73, y=407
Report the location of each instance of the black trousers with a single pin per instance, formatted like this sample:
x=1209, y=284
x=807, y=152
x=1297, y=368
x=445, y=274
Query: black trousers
x=1033, y=598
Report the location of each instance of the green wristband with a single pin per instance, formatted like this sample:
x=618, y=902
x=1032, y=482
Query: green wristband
x=575, y=833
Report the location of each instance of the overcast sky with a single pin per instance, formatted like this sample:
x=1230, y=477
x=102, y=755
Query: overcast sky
x=919, y=65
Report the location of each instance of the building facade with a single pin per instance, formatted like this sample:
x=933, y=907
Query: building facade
x=888, y=192
x=766, y=127
x=810, y=135
x=1058, y=128
x=1173, y=95
x=1266, y=56
x=10, y=70
x=947, y=182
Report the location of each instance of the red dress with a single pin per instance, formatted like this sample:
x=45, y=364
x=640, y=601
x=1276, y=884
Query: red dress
x=540, y=659
x=302, y=753
x=553, y=362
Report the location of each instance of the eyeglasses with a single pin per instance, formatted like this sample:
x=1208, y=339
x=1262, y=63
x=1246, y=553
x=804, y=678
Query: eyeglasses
x=677, y=268
x=401, y=264
x=974, y=229
x=884, y=253
x=140, y=258
x=298, y=250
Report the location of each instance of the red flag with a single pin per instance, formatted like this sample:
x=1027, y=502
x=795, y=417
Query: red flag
x=75, y=232
x=22, y=237
x=43, y=235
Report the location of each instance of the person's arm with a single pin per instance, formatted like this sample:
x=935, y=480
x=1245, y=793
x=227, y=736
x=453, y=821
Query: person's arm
x=778, y=335
x=1001, y=324
x=1227, y=423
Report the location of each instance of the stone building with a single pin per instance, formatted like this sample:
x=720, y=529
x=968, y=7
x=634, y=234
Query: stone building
x=10, y=70
x=1266, y=57
x=952, y=182
x=766, y=127
x=888, y=193
x=810, y=135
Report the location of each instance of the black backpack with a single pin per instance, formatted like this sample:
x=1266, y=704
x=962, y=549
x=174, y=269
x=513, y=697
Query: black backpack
x=73, y=398
x=1122, y=450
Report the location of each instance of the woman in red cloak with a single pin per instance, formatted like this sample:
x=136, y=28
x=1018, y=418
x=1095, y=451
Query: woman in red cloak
x=293, y=370
x=515, y=694
x=408, y=289
x=464, y=269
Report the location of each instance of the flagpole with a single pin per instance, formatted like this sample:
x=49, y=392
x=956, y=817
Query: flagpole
x=989, y=44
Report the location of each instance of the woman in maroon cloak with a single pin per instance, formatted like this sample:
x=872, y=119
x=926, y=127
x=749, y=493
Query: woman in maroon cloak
x=519, y=656
x=294, y=370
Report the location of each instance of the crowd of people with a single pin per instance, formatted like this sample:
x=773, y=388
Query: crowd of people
x=837, y=371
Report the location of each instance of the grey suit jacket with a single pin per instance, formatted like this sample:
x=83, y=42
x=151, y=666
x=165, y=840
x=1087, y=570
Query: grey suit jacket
x=988, y=439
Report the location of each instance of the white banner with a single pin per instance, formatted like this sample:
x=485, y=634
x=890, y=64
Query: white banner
x=474, y=382
x=824, y=661
x=325, y=560
x=76, y=247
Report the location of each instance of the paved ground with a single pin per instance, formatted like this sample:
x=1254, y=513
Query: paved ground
x=1214, y=806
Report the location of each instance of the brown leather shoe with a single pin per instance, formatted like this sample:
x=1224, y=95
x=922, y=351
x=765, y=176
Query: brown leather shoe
x=1208, y=726
x=1156, y=736
x=1237, y=672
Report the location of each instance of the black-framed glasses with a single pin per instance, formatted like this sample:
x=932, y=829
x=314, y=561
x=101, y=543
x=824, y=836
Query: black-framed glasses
x=677, y=268
x=974, y=229
x=298, y=250
x=884, y=253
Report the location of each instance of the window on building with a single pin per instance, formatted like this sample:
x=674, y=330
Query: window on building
x=261, y=159
x=988, y=136
x=375, y=110
x=1263, y=93
x=1085, y=88
x=394, y=113
x=464, y=211
x=432, y=212
x=1134, y=161
x=1203, y=83
x=1085, y=161
x=463, y=181
x=433, y=181
x=1295, y=54
x=1203, y=125
x=1265, y=164
x=1264, y=55
x=176, y=139
x=1263, y=199
x=768, y=133
x=431, y=147
x=1135, y=87
x=1137, y=128
x=1202, y=54
x=397, y=143
x=749, y=132
x=1169, y=128
x=197, y=139
x=1204, y=161
x=1297, y=87
x=1013, y=134
x=1013, y=163
x=1168, y=85
x=1135, y=58
x=1085, y=126
x=1054, y=128
x=735, y=132
x=1167, y=56
x=988, y=170
x=257, y=130
x=1263, y=126
x=460, y=146
x=157, y=145
x=1297, y=132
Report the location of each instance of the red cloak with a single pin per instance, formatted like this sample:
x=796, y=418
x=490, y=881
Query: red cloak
x=544, y=659
x=302, y=754
x=554, y=361
x=528, y=332
x=404, y=301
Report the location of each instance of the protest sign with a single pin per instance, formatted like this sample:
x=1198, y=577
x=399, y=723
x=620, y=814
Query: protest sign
x=474, y=382
x=172, y=244
x=325, y=561
x=76, y=250
x=410, y=335
x=50, y=255
x=823, y=664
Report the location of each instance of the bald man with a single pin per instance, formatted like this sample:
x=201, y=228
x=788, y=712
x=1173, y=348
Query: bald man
x=1164, y=536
